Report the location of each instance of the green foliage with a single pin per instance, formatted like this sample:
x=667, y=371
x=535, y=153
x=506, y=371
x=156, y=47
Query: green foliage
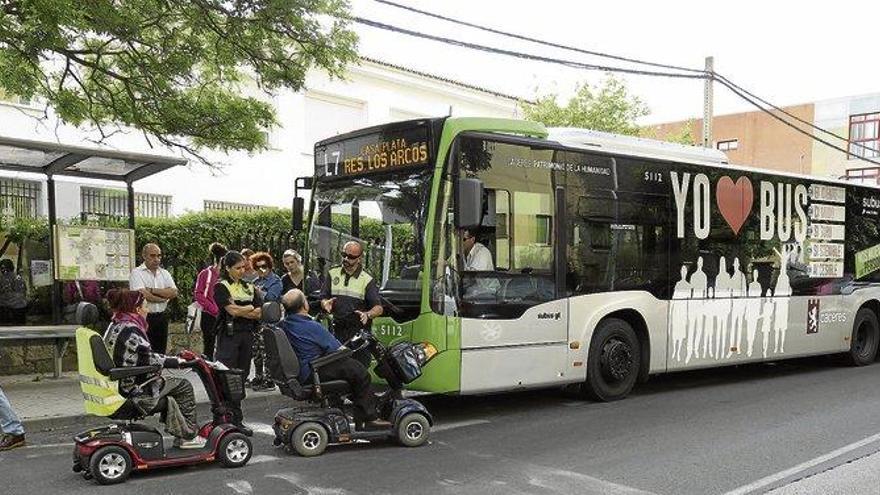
x=174, y=70
x=609, y=108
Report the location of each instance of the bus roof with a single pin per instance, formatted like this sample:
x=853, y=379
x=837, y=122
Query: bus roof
x=587, y=139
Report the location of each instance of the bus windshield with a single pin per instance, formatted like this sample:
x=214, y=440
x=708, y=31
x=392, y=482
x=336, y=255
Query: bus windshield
x=384, y=212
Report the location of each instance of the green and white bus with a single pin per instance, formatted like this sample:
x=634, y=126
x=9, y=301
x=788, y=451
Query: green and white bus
x=612, y=258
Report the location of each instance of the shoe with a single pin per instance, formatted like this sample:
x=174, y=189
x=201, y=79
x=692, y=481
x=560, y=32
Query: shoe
x=244, y=429
x=9, y=442
x=195, y=443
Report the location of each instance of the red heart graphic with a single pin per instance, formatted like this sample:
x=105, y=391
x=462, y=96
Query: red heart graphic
x=734, y=200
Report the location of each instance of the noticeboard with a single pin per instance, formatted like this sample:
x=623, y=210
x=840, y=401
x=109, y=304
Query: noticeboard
x=93, y=253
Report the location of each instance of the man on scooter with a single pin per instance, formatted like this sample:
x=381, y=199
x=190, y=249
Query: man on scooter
x=310, y=340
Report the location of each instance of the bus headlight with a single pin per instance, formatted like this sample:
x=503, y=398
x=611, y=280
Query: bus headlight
x=424, y=352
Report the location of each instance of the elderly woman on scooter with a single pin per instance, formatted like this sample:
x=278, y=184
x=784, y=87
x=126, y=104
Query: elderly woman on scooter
x=126, y=338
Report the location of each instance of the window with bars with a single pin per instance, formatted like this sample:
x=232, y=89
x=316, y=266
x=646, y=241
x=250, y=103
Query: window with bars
x=102, y=202
x=19, y=198
x=864, y=135
x=214, y=205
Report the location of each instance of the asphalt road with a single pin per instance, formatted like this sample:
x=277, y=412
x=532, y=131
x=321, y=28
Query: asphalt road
x=743, y=430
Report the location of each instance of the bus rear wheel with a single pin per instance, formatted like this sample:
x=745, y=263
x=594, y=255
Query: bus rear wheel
x=865, y=338
x=613, y=362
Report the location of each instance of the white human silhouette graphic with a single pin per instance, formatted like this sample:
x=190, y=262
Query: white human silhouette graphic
x=722, y=306
x=767, y=308
x=753, y=312
x=738, y=289
x=781, y=291
x=696, y=309
x=679, y=314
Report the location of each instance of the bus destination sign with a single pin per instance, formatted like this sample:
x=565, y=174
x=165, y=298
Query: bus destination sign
x=381, y=151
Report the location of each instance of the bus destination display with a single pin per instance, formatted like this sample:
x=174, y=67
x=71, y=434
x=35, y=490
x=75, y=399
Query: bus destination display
x=381, y=151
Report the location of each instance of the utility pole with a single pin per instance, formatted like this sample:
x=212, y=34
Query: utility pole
x=707, y=103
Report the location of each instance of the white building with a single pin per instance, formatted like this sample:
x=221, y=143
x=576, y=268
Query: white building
x=374, y=92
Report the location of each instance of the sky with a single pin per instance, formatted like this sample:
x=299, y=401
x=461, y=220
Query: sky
x=786, y=52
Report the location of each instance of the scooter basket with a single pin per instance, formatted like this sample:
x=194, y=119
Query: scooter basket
x=232, y=384
x=404, y=362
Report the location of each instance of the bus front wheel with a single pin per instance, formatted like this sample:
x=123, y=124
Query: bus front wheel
x=865, y=337
x=613, y=362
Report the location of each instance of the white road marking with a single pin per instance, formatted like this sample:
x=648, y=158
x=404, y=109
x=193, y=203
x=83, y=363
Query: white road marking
x=310, y=490
x=773, y=478
x=241, y=487
x=459, y=424
x=261, y=428
x=262, y=458
x=563, y=481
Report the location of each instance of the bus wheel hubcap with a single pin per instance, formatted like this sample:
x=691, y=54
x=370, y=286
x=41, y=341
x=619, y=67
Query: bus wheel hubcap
x=616, y=359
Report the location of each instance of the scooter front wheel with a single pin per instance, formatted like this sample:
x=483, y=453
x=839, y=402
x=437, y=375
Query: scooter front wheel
x=235, y=450
x=413, y=430
x=110, y=465
x=309, y=439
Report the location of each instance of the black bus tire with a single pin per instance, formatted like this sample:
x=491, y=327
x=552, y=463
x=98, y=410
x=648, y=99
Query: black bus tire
x=864, y=339
x=613, y=361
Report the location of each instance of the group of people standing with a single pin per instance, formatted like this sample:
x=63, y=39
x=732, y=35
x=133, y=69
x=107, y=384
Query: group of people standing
x=226, y=289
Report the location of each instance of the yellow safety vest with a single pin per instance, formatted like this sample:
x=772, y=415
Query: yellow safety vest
x=100, y=393
x=239, y=291
x=356, y=288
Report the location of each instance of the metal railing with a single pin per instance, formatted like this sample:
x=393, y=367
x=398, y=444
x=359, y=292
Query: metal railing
x=863, y=175
x=102, y=202
x=19, y=198
x=215, y=205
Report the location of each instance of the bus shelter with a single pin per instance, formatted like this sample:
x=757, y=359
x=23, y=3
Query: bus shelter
x=58, y=160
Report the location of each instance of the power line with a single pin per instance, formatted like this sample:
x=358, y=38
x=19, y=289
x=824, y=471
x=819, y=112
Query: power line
x=527, y=56
x=570, y=63
x=614, y=57
x=536, y=40
x=745, y=97
x=719, y=77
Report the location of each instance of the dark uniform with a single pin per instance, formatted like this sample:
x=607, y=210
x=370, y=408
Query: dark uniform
x=355, y=292
x=235, y=336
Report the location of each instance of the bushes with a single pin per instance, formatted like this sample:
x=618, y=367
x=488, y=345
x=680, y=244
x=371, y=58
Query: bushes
x=184, y=241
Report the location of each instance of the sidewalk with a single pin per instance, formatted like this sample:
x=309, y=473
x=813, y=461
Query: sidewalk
x=44, y=402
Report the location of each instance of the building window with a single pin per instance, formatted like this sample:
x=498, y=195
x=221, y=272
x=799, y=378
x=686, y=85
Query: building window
x=19, y=198
x=212, y=205
x=102, y=202
x=728, y=145
x=864, y=135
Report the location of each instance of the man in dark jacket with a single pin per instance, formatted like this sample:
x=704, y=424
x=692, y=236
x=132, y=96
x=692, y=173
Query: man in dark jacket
x=310, y=340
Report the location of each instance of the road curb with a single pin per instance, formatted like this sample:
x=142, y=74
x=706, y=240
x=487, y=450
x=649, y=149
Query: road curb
x=259, y=401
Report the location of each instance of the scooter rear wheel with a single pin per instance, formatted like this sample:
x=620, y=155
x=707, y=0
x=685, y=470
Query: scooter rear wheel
x=413, y=430
x=309, y=439
x=110, y=465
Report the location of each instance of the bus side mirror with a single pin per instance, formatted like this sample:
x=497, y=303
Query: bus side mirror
x=296, y=220
x=468, y=202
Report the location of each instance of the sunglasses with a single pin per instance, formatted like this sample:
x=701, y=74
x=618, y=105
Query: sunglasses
x=350, y=256
x=262, y=266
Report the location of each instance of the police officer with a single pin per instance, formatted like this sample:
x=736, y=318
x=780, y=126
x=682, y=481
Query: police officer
x=351, y=295
x=239, y=303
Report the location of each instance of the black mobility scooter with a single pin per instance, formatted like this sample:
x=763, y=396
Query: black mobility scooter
x=309, y=429
x=109, y=454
